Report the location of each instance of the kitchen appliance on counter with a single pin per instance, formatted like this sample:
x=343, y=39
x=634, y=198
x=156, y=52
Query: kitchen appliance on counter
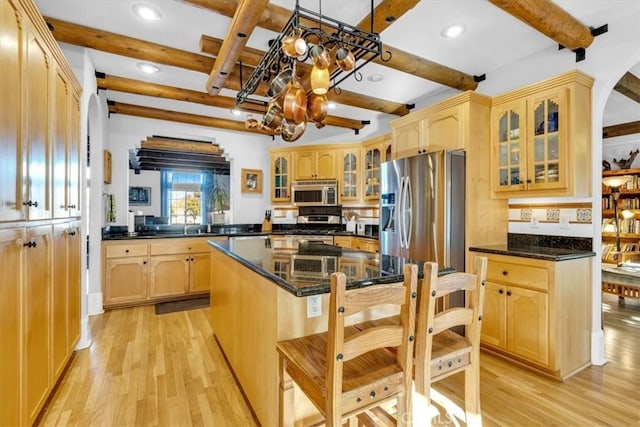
x=315, y=192
x=422, y=208
x=328, y=217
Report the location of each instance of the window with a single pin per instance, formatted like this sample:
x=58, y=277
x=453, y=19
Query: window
x=184, y=195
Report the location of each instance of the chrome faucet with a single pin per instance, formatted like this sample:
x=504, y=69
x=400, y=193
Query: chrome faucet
x=186, y=212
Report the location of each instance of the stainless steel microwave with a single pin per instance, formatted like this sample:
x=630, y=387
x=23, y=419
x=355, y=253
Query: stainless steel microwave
x=315, y=192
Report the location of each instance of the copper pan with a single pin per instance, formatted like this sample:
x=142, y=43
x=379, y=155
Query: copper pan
x=316, y=108
x=273, y=117
x=291, y=132
x=295, y=103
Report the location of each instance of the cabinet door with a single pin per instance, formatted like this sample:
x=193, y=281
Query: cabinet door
x=372, y=159
x=304, y=164
x=508, y=147
x=59, y=134
x=11, y=252
x=408, y=140
x=528, y=324
x=547, y=151
x=125, y=280
x=281, y=177
x=325, y=165
x=444, y=130
x=36, y=315
x=73, y=157
x=342, y=241
x=494, y=317
x=37, y=72
x=169, y=275
x=350, y=174
x=200, y=272
x=59, y=299
x=11, y=136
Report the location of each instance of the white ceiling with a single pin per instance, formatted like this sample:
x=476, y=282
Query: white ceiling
x=493, y=40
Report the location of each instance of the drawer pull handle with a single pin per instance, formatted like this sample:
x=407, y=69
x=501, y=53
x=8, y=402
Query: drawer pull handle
x=30, y=244
x=501, y=291
x=505, y=272
x=126, y=251
x=508, y=293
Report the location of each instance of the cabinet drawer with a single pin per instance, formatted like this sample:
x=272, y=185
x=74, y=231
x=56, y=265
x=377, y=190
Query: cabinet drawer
x=133, y=249
x=518, y=274
x=180, y=246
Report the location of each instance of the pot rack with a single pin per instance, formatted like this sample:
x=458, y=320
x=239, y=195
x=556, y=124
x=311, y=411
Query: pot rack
x=315, y=28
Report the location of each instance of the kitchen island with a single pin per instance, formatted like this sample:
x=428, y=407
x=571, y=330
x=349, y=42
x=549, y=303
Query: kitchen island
x=261, y=294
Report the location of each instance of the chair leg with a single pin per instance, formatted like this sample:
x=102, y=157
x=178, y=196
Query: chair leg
x=286, y=415
x=472, y=395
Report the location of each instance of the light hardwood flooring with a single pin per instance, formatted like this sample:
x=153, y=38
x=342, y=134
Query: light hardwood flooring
x=144, y=369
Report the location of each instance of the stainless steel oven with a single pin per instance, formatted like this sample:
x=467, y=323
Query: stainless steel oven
x=315, y=192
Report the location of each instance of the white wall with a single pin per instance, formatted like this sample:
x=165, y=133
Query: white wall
x=147, y=179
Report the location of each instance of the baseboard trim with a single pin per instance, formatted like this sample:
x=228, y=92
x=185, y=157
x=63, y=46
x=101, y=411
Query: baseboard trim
x=597, y=348
x=85, y=340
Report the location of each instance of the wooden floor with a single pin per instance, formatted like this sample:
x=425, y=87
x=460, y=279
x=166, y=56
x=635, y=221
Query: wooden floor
x=144, y=369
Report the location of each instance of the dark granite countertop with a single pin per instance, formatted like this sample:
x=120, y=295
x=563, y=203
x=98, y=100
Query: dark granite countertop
x=537, y=252
x=306, y=278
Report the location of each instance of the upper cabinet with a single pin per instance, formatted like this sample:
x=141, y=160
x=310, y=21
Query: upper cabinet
x=315, y=164
x=350, y=174
x=541, y=139
x=376, y=151
x=280, y=177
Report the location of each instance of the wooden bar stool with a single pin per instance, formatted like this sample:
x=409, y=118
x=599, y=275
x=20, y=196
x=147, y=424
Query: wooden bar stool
x=440, y=352
x=346, y=371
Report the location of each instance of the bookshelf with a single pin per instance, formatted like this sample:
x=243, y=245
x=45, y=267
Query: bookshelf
x=628, y=214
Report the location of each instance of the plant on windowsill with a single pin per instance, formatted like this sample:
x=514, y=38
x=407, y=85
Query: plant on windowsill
x=218, y=201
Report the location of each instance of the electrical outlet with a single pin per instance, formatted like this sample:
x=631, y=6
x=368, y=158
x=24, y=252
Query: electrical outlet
x=314, y=306
x=534, y=222
x=564, y=221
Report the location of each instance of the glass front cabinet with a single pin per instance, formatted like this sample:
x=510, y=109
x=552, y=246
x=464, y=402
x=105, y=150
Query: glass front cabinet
x=539, y=145
x=351, y=174
x=281, y=177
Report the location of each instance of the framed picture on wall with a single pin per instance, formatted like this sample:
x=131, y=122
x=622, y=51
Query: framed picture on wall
x=251, y=181
x=140, y=196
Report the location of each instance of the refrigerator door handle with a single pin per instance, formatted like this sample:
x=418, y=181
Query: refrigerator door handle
x=409, y=207
x=400, y=213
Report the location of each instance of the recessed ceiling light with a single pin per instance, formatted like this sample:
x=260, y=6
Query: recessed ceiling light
x=236, y=111
x=332, y=105
x=147, y=12
x=453, y=31
x=148, y=68
x=375, y=77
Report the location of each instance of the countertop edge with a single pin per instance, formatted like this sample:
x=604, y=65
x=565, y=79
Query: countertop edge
x=236, y=234
x=534, y=255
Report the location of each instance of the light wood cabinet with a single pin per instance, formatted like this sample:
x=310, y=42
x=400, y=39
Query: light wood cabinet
x=36, y=321
x=314, y=164
x=11, y=253
x=125, y=273
x=365, y=244
x=541, y=140
x=376, y=151
x=350, y=174
x=169, y=275
x=445, y=129
x=342, y=241
x=537, y=312
x=409, y=139
x=280, y=177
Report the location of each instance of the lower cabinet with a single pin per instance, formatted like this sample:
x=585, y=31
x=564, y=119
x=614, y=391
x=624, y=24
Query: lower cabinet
x=538, y=312
x=355, y=242
x=140, y=273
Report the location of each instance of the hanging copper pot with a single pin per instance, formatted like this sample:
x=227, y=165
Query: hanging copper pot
x=280, y=83
x=273, y=117
x=317, y=108
x=290, y=132
x=295, y=103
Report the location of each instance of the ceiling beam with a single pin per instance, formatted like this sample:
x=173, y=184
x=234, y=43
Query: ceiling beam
x=138, y=87
x=174, y=116
x=79, y=35
x=551, y=20
x=621, y=129
x=275, y=17
x=385, y=14
x=205, y=148
x=244, y=21
x=629, y=85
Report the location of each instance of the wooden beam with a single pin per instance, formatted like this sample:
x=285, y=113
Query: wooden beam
x=122, y=84
x=385, y=14
x=275, y=17
x=252, y=57
x=174, y=116
x=244, y=21
x=134, y=48
x=621, y=129
x=629, y=85
x=181, y=145
x=550, y=19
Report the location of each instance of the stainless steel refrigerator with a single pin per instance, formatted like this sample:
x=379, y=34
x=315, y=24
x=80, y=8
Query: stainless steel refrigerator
x=422, y=208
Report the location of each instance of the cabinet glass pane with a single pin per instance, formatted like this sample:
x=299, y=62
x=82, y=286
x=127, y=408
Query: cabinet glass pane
x=503, y=177
x=538, y=149
x=504, y=127
x=541, y=174
x=514, y=125
x=503, y=154
x=552, y=115
x=514, y=154
x=539, y=119
x=515, y=176
x=553, y=172
x=553, y=147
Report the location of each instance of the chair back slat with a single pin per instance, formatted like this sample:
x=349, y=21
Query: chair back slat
x=452, y=317
x=359, y=300
x=371, y=339
x=455, y=282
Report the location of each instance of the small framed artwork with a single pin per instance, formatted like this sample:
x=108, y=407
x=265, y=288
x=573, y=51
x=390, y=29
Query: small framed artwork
x=251, y=181
x=140, y=196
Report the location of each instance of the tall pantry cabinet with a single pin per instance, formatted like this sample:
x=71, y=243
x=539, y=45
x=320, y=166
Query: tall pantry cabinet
x=40, y=245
